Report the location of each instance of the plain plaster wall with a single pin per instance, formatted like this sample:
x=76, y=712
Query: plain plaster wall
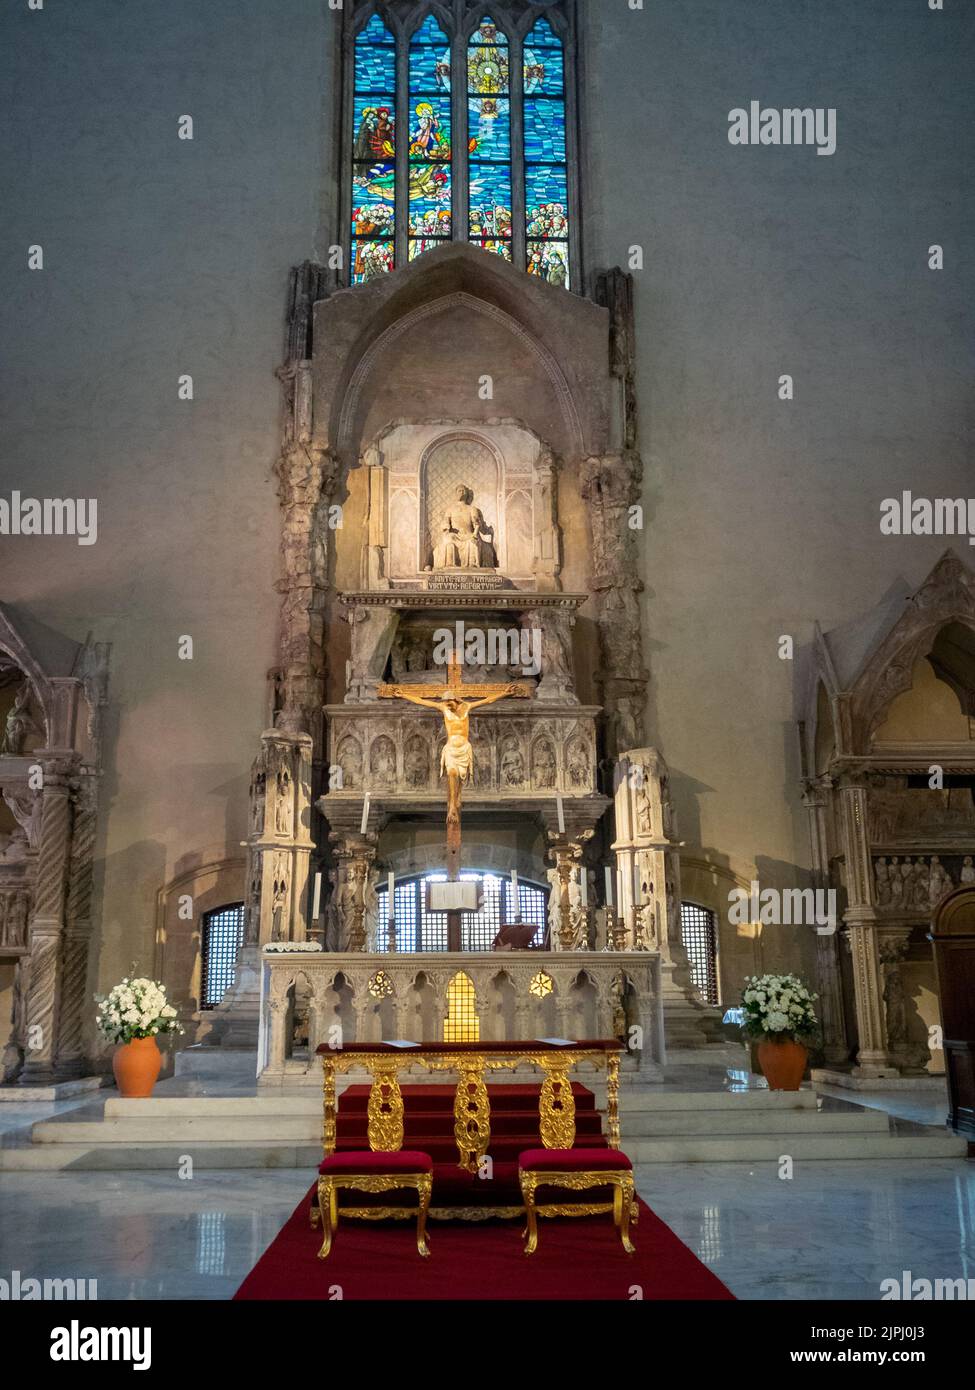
x=165, y=256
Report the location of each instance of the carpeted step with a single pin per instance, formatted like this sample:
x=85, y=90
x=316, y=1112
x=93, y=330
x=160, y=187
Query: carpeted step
x=430, y=1098
x=441, y=1122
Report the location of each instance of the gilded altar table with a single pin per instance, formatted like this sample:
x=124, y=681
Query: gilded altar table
x=472, y=1062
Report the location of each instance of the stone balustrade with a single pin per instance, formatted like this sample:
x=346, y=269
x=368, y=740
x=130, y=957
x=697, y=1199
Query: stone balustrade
x=515, y=996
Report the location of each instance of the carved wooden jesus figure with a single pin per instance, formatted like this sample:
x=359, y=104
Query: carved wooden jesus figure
x=455, y=703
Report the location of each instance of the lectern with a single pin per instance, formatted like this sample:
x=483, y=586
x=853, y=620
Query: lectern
x=953, y=940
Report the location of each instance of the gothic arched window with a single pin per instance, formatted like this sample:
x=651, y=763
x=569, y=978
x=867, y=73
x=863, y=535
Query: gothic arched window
x=461, y=125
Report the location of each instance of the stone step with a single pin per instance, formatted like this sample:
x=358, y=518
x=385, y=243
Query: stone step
x=687, y=1149
x=811, y=1147
x=635, y=1099
x=663, y=1124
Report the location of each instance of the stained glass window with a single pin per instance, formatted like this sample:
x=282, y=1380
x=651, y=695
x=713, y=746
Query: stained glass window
x=430, y=172
x=503, y=182
x=489, y=138
x=373, y=153
x=546, y=161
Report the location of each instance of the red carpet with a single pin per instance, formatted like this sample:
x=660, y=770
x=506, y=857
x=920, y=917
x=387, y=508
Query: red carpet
x=576, y=1259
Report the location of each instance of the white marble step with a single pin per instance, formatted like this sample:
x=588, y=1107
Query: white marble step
x=812, y=1147
x=662, y=1124
x=674, y=1149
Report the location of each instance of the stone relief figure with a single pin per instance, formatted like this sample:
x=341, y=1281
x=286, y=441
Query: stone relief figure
x=482, y=766
x=967, y=874
x=544, y=769
x=333, y=936
x=578, y=765
x=896, y=882
x=922, y=885
x=257, y=803
x=416, y=762
x=26, y=807
x=14, y=929
x=282, y=810
x=881, y=875
x=350, y=763
x=19, y=725
x=13, y=847
x=895, y=1006
x=466, y=541
x=512, y=763
x=907, y=878
x=382, y=761
x=279, y=899
x=940, y=882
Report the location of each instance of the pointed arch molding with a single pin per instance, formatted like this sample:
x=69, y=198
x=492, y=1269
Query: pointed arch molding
x=347, y=424
x=946, y=596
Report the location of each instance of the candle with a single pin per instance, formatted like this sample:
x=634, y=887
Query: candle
x=365, y=815
x=637, y=885
x=391, y=895
x=584, y=885
x=514, y=895
x=609, y=886
x=619, y=892
x=317, y=899
x=558, y=807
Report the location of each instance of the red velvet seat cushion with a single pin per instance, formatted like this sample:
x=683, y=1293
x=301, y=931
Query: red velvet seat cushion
x=370, y=1161
x=573, y=1160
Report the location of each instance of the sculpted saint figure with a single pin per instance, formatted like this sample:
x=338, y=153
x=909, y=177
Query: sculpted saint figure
x=466, y=541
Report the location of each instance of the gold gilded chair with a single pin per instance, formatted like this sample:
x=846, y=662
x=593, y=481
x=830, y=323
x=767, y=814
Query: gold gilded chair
x=577, y=1170
x=365, y=1170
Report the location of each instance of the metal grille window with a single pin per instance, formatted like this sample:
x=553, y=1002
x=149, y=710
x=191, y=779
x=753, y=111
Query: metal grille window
x=223, y=936
x=697, y=932
x=420, y=930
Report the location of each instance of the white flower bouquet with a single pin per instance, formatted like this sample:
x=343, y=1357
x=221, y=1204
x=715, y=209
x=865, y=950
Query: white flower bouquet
x=777, y=1007
x=136, y=1009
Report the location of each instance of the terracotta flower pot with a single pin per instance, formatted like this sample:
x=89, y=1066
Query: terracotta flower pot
x=136, y=1065
x=783, y=1062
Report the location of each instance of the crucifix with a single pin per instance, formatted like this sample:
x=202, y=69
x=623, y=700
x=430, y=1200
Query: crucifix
x=456, y=702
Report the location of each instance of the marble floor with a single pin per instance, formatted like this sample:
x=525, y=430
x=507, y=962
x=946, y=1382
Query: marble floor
x=833, y=1231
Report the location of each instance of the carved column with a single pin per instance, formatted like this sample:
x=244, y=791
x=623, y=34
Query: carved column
x=354, y=855
x=547, y=562
x=861, y=920
x=836, y=1045
x=611, y=486
x=77, y=933
x=47, y=925
x=646, y=847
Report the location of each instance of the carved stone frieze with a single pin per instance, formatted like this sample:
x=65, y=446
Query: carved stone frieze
x=387, y=752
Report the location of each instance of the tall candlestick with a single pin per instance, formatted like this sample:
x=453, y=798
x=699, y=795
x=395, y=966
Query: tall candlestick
x=317, y=898
x=609, y=887
x=561, y=814
x=365, y=815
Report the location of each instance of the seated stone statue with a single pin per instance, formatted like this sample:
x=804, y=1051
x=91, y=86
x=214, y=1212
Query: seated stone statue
x=466, y=541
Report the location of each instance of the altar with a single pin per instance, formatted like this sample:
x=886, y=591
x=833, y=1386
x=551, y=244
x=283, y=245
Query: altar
x=353, y=1002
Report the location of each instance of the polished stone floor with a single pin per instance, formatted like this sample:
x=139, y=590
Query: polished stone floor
x=833, y=1231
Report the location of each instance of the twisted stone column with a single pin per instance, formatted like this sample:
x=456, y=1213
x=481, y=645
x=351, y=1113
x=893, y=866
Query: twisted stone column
x=861, y=920
x=611, y=486
x=77, y=933
x=47, y=927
